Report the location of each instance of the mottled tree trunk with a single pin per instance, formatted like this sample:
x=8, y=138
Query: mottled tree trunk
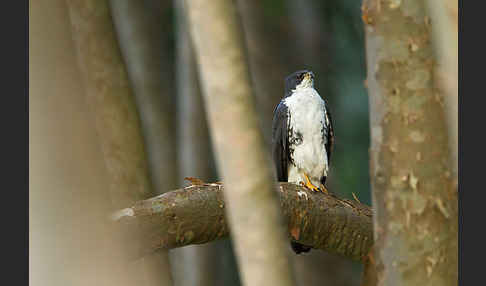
x=414, y=194
x=110, y=98
x=192, y=265
x=140, y=33
x=254, y=214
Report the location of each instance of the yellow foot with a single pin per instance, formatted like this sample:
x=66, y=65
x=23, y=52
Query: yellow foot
x=309, y=185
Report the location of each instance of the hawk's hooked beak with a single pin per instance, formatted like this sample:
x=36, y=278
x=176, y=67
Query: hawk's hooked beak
x=309, y=76
x=307, y=80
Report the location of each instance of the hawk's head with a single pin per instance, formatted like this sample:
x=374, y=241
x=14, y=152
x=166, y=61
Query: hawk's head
x=297, y=80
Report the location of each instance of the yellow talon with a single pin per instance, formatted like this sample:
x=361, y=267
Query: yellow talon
x=309, y=185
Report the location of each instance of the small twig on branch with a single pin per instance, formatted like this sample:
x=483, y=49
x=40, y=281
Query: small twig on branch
x=195, y=215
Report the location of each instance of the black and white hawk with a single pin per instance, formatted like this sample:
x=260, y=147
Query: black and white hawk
x=302, y=137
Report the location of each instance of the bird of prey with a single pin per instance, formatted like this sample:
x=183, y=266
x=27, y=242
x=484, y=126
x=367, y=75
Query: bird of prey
x=302, y=137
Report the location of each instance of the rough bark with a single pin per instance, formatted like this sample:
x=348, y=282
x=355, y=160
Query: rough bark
x=196, y=215
x=192, y=265
x=140, y=34
x=110, y=98
x=414, y=194
x=253, y=209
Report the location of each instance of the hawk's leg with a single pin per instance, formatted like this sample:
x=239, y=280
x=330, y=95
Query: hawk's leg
x=308, y=184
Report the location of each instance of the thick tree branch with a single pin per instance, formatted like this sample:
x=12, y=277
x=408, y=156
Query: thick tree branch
x=195, y=215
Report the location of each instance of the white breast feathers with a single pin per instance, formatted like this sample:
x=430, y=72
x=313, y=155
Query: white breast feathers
x=307, y=114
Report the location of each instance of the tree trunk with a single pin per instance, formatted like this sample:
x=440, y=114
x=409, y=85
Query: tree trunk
x=444, y=18
x=414, y=194
x=110, y=98
x=264, y=57
x=192, y=265
x=254, y=215
x=139, y=30
x=70, y=240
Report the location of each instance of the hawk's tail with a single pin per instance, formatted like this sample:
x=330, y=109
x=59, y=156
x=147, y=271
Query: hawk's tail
x=299, y=248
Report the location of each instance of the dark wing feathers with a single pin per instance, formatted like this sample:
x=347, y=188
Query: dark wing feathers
x=330, y=136
x=280, y=143
x=299, y=248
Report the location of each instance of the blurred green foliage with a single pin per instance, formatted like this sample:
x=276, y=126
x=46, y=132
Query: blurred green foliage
x=349, y=99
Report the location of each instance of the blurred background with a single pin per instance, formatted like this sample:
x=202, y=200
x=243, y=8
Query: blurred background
x=70, y=244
